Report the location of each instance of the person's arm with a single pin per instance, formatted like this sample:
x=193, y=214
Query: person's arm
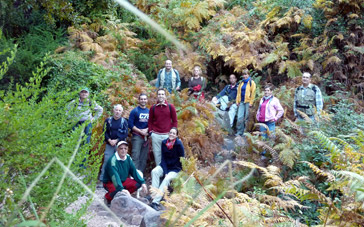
x=106, y=130
x=252, y=95
x=132, y=118
x=134, y=173
x=115, y=178
x=157, y=84
x=319, y=100
x=163, y=163
x=294, y=103
x=173, y=116
x=204, y=82
x=98, y=111
x=222, y=93
x=238, y=95
x=150, y=120
x=258, y=111
x=280, y=110
x=178, y=80
x=181, y=151
x=124, y=127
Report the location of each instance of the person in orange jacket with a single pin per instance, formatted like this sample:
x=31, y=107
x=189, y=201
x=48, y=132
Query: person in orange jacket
x=244, y=100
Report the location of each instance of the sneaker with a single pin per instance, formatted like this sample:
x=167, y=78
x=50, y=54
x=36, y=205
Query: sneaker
x=155, y=206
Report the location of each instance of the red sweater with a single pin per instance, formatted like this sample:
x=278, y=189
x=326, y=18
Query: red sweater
x=161, y=120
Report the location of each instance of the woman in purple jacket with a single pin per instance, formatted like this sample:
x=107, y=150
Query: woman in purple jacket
x=269, y=111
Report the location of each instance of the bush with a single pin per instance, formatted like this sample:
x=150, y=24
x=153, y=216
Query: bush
x=32, y=47
x=35, y=132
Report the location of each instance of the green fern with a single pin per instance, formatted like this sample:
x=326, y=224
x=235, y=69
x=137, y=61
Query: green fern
x=327, y=144
x=355, y=183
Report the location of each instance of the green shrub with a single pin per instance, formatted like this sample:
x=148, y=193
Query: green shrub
x=32, y=47
x=34, y=132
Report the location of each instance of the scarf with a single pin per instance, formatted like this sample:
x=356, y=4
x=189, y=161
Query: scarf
x=170, y=143
x=174, y=78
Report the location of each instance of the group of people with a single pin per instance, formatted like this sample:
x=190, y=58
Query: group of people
x=238, y=98
x=123, y=173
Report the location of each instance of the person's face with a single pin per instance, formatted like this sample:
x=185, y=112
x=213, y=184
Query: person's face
x=168, y=64
x=117, y=112
x=267, y=92
x=172, y=134
x=196, y=72
x=143, y=100
x=306, y=79
x=122, y=151
x=232, y=79
x=84, y=94
x=161, y=96
x=245, y=76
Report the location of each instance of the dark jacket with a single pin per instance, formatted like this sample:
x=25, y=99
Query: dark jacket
x=171, y=158
x=229, y=91
x=116, y=129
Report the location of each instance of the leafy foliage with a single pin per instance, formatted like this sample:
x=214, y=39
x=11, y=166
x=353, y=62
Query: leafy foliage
x=34, y=131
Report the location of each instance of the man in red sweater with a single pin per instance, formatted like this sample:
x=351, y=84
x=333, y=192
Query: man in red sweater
x=162, y=117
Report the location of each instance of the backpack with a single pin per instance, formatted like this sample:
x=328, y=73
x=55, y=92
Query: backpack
x=121, y=129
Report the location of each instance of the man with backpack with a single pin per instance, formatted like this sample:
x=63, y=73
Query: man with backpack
x=162, y=117
x=168, y=78
x=307, y=98
x=116, y=130
x=82, y=109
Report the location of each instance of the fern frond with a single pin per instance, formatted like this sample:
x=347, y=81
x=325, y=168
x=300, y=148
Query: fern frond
x=288, y=156
x=276, y=202
x=355, y=183
x=326, y=143
x=273, y=152
x=305, y=117
x=320, y=172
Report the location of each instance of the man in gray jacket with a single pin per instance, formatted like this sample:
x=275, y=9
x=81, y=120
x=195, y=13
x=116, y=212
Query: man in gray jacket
x=81, y=110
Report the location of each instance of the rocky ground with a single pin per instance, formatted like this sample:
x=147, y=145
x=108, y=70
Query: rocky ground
x=128, y=211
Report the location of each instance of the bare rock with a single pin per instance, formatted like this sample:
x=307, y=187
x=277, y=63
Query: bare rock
x=134, y=211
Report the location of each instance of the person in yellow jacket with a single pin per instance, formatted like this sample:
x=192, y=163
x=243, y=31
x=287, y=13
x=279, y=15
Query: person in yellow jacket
x=244, y=100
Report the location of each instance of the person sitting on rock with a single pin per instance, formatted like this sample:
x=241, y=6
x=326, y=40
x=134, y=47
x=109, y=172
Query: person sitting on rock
x=227, y=96
x=172, y=151
x=118, y=170
x=197, y=84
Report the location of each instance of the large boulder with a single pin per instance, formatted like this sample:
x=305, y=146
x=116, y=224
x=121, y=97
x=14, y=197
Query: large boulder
x=133, y=212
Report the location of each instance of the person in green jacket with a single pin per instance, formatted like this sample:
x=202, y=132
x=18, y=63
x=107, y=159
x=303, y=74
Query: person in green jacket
x=118, y=170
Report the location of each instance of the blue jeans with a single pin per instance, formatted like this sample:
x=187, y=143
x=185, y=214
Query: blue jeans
x=271, y=126
x=109, y=151
x=243, y=114
x=87, y=131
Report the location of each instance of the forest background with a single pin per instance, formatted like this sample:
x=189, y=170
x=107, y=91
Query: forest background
x=49, y=49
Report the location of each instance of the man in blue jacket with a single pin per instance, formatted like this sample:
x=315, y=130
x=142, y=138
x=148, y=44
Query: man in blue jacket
x=138, y=123
x=226, y=96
